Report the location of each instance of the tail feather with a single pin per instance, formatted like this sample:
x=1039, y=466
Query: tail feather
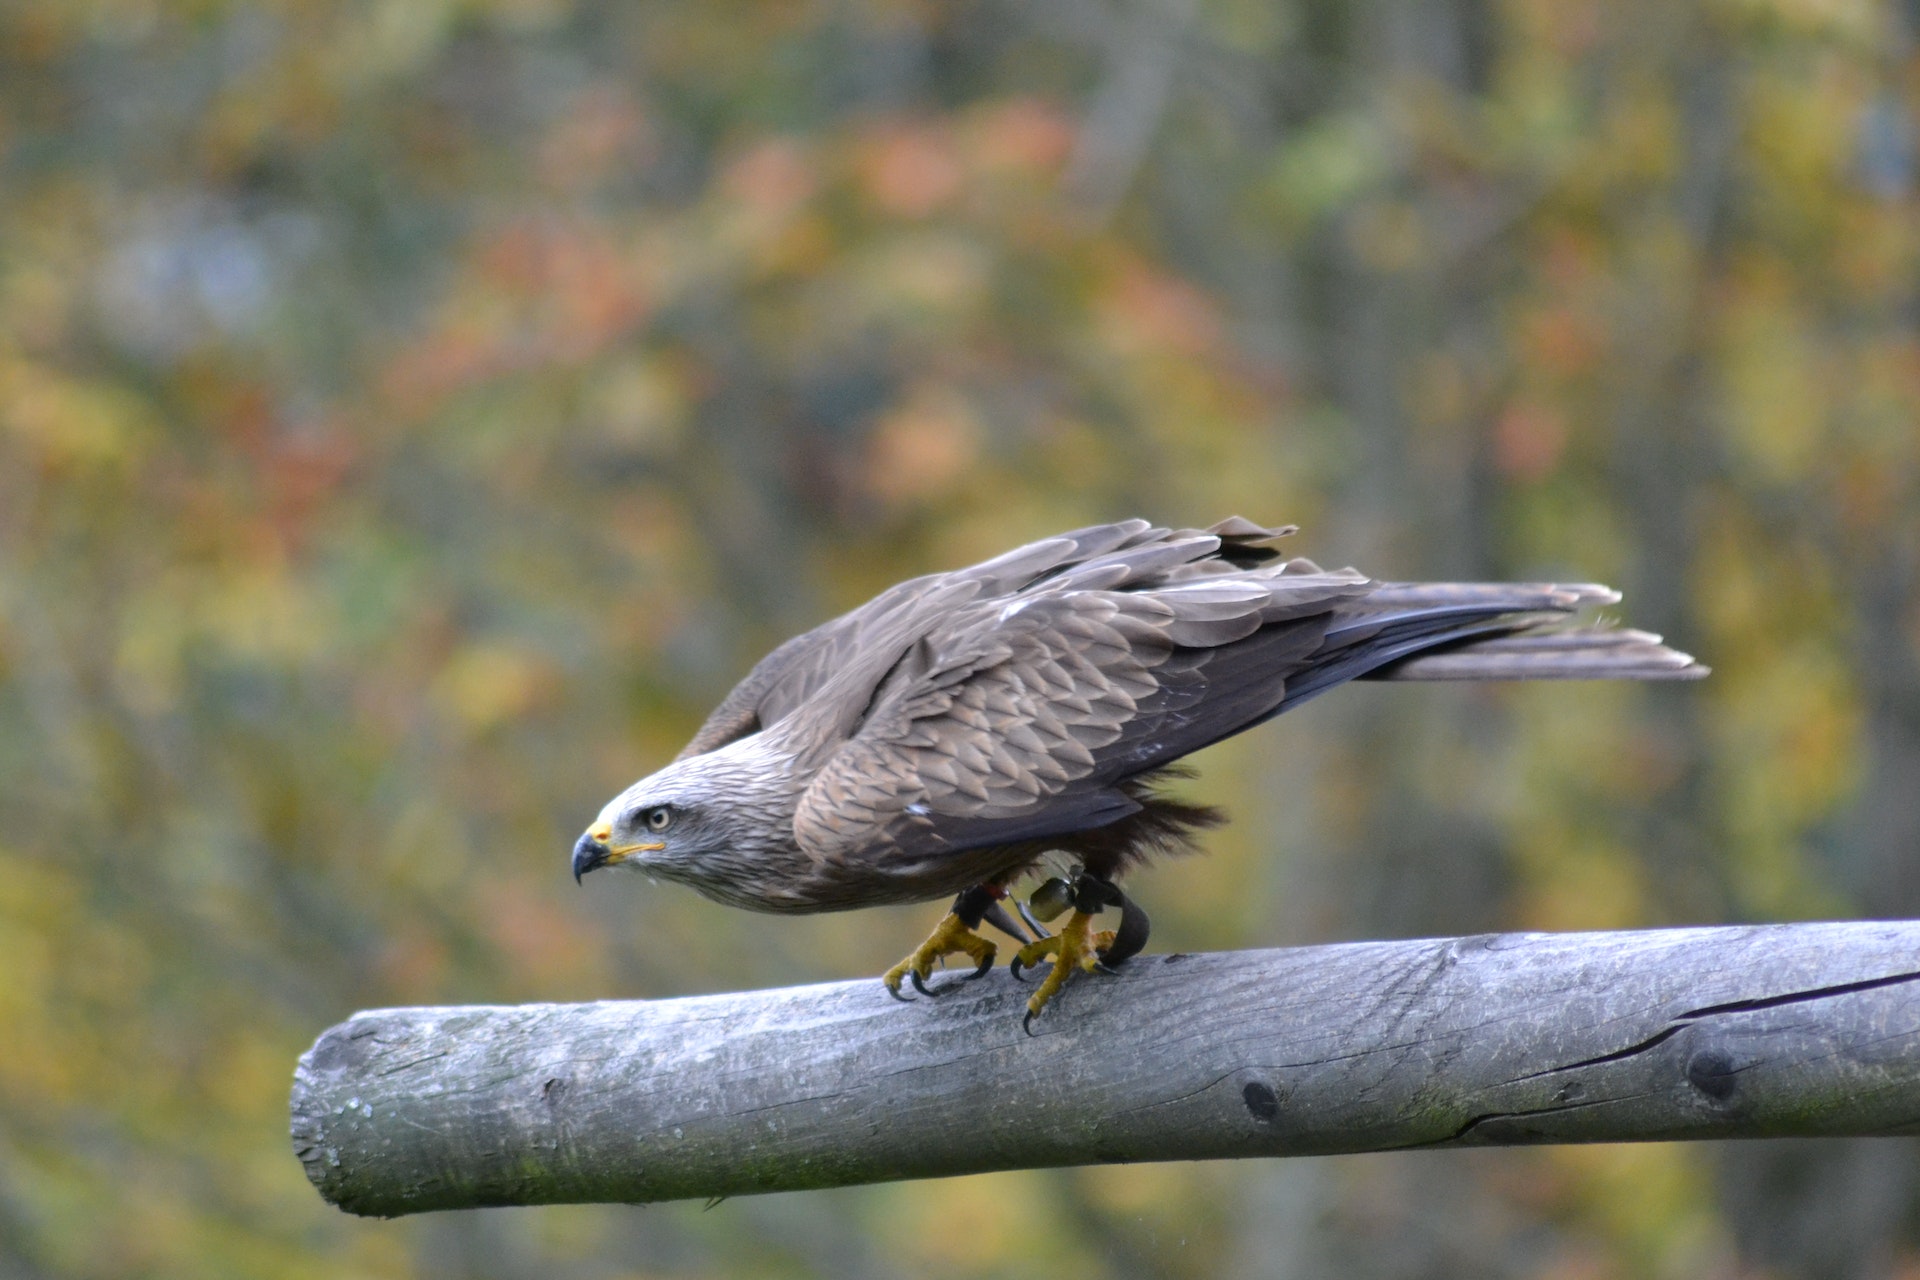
x=1584, y=653
x=1507, y=596
x=1483, y=631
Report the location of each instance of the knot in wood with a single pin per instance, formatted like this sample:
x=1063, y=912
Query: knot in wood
x=1712, y=1071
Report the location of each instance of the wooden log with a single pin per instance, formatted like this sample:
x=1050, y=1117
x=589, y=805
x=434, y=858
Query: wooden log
x=1802, y=1029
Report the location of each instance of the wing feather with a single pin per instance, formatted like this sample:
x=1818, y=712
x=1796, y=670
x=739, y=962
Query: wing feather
x=1020, y=724
x=844, y=660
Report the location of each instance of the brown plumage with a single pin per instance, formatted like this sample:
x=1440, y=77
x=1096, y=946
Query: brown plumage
x=959, y=727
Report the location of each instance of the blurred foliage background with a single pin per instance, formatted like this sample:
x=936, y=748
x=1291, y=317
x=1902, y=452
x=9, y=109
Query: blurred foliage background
x=415, y=413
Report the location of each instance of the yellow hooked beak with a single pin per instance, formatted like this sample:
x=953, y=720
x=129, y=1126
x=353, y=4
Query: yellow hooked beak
x=592, y=851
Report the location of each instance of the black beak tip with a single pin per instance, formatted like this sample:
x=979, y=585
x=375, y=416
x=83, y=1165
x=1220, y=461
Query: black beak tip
x=588, y=853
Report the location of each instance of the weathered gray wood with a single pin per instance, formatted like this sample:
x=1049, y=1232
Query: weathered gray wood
x=1520, y=1038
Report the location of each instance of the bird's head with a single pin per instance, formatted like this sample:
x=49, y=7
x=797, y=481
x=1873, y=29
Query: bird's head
x=653, y=826
x=693, y=821
x=628, y=837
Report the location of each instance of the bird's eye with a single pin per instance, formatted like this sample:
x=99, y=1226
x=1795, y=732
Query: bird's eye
x=657, y=819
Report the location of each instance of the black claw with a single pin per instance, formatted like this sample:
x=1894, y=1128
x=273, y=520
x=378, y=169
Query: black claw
x=945, y=988
x=897, y=996
x=1026, y=1023
x=1016, y=968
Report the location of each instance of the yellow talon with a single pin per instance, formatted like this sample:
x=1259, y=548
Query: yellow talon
x=951, y=936
x=1075, y=948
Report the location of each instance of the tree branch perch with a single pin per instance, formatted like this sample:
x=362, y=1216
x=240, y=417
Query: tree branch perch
x=1767, y=1031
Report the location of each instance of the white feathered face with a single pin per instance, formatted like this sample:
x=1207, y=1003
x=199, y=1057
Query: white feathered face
x=652, y=825
x=631, y=834
x=693, y=821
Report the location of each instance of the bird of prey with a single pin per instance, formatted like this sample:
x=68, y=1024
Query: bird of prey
x=956, y=730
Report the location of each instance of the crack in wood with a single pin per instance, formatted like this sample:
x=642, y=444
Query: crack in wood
x=1633, y=1050
x=1182, y=1097
x=1692, y=1017
x=1800, y=997
x=1459, y=1135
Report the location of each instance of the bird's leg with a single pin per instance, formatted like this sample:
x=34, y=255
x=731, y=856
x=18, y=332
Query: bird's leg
x=955, y=934
x=1077, y=947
